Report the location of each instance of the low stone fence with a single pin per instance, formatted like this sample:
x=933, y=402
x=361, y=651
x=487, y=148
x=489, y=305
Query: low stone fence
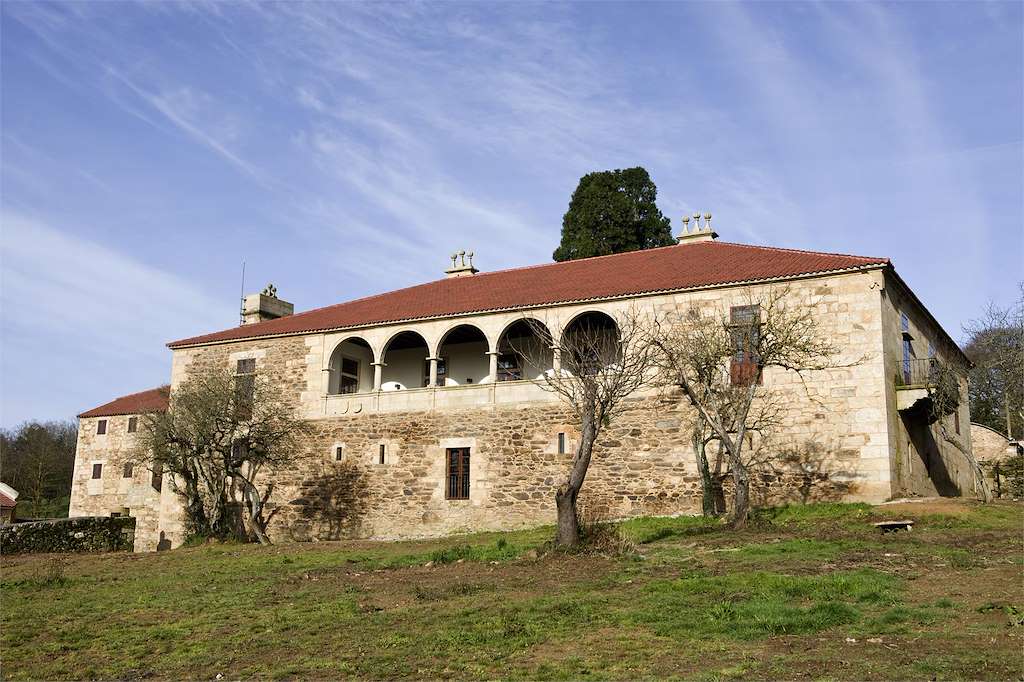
x=82, y=534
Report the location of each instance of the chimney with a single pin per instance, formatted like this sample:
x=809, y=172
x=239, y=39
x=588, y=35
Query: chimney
x=460, y=267
x=265, y=306
x=699, y=233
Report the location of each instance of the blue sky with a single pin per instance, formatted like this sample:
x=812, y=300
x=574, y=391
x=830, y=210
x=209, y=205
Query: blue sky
x=346, y=149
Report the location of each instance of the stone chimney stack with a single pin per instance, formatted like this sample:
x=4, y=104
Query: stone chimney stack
x=699, y=233
x=460, y=267
x=265, y=306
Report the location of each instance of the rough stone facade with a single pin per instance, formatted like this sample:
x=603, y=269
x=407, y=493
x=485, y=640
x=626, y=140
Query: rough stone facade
x=840, y=438
x=114, y=492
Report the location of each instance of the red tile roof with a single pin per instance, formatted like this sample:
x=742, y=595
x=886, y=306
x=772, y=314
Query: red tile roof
x=153, y=400
x=6, y=502
x=669, y=268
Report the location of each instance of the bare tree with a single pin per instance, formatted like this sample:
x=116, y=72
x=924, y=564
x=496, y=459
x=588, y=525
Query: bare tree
x=718, y=361
x=38, y=458
x=599, y=366
x=995, y=344
x=222, y=439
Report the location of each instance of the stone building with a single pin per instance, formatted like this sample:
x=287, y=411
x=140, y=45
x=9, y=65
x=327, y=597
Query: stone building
x=427, y=423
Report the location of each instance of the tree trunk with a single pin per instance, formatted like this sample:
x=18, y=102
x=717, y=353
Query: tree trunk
x=708, y=502
x=253, y=505
x=741, y=495
x=568, y=533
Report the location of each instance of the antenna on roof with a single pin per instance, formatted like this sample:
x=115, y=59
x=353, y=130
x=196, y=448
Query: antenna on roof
x=241, y=296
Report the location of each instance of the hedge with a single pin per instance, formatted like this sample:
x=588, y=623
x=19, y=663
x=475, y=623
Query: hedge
x=81, y=534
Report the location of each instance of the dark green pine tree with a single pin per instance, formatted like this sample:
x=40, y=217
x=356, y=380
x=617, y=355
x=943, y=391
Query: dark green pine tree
x=613, y=212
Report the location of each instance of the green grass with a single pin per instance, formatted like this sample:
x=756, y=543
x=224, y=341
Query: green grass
x=694, y=600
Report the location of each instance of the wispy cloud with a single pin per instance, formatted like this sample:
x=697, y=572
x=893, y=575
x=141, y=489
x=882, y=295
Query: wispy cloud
x=76, y=305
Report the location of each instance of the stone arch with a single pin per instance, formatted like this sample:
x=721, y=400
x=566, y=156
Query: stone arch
x=350, y=369
x=404, y=357
x=462, y=353
x=524, y=350
x=589, y=339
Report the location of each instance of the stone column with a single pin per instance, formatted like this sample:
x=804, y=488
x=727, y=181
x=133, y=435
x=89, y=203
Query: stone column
x=556, y=358
x=493, y=354
x=326, y=380
x=378, y=372
x=433, y=371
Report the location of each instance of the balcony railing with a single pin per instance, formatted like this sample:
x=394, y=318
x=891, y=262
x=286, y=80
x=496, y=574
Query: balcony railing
x=918, y=373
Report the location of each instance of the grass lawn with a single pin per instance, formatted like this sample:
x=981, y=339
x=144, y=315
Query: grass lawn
x=807, y=592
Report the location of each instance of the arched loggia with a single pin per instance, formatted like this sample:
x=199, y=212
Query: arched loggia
x=351, y=367
x=404, y=358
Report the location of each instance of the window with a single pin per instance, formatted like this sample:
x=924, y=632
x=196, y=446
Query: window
x=561, y=443
x=127, y=471
x=133, y=424
x=458, y=474
x=245, y=386
x=339, y=453
x=101, y=427
x=97, y=471
x=442, y=371
x=158, y=478
x=509, y=368
x=348, y=381
x=745, y=333
x=956, y=421
x=382, y=453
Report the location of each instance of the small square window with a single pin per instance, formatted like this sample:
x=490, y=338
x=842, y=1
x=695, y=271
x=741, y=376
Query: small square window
x=246, y=366
x=561, y=443
x=133, y=424
x=101, y=427
x=383, y=453
x=127, y=472
x=97, y=471
x=339, y=453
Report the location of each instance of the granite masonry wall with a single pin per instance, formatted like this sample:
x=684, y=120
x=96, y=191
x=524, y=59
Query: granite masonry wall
x=113, y=492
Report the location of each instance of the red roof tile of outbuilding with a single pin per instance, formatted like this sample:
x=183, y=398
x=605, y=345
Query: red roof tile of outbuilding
x=669, y=268
x=153, y=400
x=6, y=502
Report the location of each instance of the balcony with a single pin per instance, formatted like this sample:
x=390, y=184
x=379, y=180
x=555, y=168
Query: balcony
x=431, y=398
x=918, y=373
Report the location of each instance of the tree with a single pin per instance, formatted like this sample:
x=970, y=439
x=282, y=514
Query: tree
x=613, y=212
x=222, y=439
x=599, y=365
x=38, y=459
x=995, y=345
x=718, y=360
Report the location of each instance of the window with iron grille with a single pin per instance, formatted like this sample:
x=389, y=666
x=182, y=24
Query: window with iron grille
x=133, y=424
x=97, y=471
x=127, y=471
x=745, y=335
x=457, y=487
x=101, y=427
x=509, y=367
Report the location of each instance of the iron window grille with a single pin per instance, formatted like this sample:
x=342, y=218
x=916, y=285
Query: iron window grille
x=458, y=474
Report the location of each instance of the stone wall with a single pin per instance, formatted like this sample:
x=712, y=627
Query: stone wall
x=84, y=534
x=927, y=457
x=113, y=492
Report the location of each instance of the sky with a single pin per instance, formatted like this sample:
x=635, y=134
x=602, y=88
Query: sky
x=341, y=150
